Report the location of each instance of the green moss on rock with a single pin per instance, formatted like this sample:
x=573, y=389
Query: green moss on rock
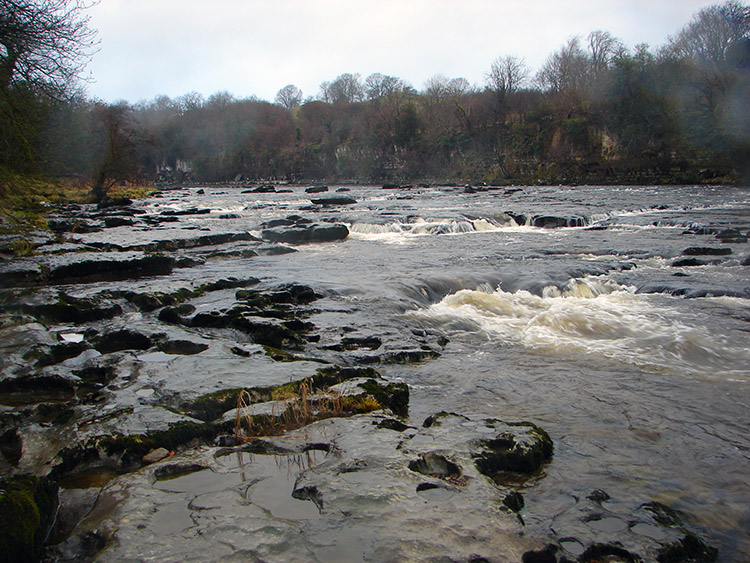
x=27, y=511
x=515, y=452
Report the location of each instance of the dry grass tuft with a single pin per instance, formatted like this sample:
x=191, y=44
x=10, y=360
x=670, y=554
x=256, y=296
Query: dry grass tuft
x=302, y=406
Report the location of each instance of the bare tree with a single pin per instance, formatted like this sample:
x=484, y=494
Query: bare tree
x=565, y=70
x=347, y=88
x=45, y=44
x=507, y=74
x=379, y=85
x=289, y=96
x=603, y=49
x=707, y=38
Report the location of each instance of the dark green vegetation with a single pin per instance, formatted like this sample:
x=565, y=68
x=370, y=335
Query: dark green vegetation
x=28, y=505
x=596, y=111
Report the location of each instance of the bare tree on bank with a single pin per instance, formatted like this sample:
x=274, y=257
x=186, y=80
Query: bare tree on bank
x=44, y=44
x=507, y=74
x=289, y=96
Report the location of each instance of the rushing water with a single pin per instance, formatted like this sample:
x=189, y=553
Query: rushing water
x=637, y=368
x=640, y=370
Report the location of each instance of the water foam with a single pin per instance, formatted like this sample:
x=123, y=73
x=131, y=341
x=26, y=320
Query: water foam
x=420, y=227
x=591, y=316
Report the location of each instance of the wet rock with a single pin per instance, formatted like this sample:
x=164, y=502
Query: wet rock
x=182, y=347
x=551, y=222
x=316, y=189
x=155, y=455
x=598, y=496
x=28, y=505
x=119, y=340
x=126, y=452
x=408, y=356
x=112, y=222
x=608, y=552
x=263, y=189
x=294, y=294
x=172, y=470
x=306, y=234
x=72, y=310
x=357, y=342
x=35, y=389
x=687, y=262
x=309, y=493
x=109, y=202
x=523, y=450
x=435, y=465
x=689, y=549
x=514, y=501
x=732, y=236
x=96, y=374
x=393, y=424
x=61, y=352
x=262, y=332
x=78, y=225
x=11, y=446
x=334, y=200
x=663, y=514
x=86, y=271
x=706, y=251
x=546, y=555
x=184, y=212
x=394, y=396
x=519, y=218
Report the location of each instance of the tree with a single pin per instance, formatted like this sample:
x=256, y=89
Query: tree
x=566, y=69
x=713, y=30
x=507, y=74
x=379, y=85
x=289, y=97
x=118, y=143
x=603, y=48
x=347, y=88
x=44, y=44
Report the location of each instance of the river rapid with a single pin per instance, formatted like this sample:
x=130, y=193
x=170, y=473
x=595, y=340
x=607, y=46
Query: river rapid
x=615, y=318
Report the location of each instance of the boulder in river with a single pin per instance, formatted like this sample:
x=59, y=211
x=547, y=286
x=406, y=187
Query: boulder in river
x=334, y=200
x=299, y=234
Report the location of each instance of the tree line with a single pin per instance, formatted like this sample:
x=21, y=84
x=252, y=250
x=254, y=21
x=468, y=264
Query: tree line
x=596, y=111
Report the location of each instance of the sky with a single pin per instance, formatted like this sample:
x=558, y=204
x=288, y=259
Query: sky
x=255, y=47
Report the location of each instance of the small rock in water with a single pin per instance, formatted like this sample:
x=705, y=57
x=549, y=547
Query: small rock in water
x=155, y=455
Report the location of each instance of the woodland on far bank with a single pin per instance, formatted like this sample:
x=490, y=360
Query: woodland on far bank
x=596, y=112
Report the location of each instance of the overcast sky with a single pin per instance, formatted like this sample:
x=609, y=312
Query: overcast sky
x=255, y=47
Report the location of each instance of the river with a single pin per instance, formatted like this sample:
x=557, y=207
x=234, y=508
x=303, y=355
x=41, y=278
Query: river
x=615, y=318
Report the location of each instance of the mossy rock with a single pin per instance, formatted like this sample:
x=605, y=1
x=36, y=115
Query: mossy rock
x=125, y=452
x=394, y=396
x=28, y=505
x=515, y=452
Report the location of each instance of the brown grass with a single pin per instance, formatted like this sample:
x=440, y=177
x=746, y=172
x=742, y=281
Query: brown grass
x=302, y=406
